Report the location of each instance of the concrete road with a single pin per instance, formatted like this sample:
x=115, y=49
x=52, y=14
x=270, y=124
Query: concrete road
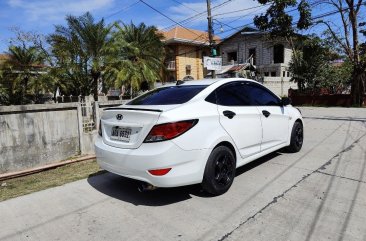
x=316, y=194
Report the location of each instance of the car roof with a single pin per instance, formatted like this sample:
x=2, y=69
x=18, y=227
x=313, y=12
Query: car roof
x=206, y=81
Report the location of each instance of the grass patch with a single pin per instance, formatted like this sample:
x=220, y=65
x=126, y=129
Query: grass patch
x=51, y=178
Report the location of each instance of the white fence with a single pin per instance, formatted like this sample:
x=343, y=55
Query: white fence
x=279, y=85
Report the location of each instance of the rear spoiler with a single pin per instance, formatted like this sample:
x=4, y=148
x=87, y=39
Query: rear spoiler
x=120, y=108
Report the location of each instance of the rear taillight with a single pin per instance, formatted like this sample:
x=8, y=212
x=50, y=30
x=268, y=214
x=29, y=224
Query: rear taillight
x=169, y=131
x=159, y=172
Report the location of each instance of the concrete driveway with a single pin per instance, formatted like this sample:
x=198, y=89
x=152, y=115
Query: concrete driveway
x=316, y=194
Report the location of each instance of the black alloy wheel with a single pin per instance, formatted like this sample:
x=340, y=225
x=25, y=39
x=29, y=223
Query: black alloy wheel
x=223, y=169
x=220, y=171
x=297, y=138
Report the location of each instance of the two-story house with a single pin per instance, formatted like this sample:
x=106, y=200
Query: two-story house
x=270, y=58
x=185, y=49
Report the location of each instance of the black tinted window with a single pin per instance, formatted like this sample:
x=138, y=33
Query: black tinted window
x=234, y=94
x=260, y=96
x=168, y=95
x=211, y=98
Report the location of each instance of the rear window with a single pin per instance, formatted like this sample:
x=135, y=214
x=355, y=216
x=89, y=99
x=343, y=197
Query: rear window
x=171, y=95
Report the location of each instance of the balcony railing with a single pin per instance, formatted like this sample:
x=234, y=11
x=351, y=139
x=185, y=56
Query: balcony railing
x=170, y=65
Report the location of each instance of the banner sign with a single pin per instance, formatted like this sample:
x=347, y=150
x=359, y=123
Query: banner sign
x=212, y=63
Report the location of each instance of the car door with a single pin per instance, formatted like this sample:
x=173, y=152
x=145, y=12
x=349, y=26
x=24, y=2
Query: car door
x=240, y=120
x=274, y=116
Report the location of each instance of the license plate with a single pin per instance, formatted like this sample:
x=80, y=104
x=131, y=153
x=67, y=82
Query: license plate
x=121, y=134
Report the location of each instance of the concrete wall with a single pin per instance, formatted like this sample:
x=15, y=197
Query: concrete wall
x=34, y=135
x=278, y=85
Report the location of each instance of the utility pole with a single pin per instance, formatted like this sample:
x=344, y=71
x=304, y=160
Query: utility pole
x=210, y=34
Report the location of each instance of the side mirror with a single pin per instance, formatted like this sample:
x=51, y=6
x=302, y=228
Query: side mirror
x=285, y=101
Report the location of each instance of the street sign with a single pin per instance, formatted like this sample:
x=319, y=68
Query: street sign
x=212, y=63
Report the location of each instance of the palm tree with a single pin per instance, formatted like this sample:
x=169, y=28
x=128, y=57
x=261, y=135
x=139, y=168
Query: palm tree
x=24, y=66
x=82, y=47
x=4, y=98
x=139, y=54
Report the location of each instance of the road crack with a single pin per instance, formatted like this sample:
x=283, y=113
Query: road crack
x=347, y=178
x=275, y=199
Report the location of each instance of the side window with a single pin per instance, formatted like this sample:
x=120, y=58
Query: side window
x=233, y=94
x=260, y=96
x=211, y=98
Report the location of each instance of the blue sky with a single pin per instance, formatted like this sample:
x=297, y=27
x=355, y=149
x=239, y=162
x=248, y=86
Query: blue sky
x=41, y=15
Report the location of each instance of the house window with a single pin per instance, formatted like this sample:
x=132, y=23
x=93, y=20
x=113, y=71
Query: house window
x=252, y=54
x=273, y=73
x=288, y=74
x=204, y=54
x=188, y=69
x=278, y=53
x=266, y=73
x=284, y=73
x=232, y=56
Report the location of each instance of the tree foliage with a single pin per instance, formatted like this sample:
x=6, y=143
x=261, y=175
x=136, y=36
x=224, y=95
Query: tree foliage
x=23, y=74
x=138, y=55
x=83, y=57
x=314, y=67
x=278, y=21
x=81, y=49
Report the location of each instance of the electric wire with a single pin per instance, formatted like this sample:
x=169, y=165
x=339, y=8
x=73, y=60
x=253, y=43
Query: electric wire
x=190, y=19
x=122, y=10
x=326, y=14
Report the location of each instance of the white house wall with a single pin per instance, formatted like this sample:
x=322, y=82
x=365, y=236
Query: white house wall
x=263, y=46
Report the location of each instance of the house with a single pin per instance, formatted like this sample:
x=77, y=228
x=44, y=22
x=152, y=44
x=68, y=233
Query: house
x=185, y=49
x=3, y=59
x=266, y=59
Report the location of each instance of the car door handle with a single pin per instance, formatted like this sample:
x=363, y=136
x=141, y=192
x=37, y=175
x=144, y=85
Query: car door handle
x=266, y=113
x=229, y=114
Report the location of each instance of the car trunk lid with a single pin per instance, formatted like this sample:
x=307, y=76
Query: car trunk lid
x=127, y=126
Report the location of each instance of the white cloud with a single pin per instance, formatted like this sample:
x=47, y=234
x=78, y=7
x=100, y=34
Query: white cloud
x=55, y=10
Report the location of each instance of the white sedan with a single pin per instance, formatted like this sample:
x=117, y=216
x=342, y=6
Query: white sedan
x=196, y=132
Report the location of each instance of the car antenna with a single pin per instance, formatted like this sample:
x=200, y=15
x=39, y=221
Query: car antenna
x=180, y=82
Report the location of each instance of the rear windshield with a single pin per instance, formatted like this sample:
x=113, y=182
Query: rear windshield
x=171, y=95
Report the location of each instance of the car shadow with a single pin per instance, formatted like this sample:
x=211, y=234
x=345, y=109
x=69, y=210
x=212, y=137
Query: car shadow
x=125, y=189
x=258, y=162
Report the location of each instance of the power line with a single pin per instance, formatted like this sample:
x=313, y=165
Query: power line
x=156, y=10
x=122, y=10
x=222, y=23
x=248, y=24
x=187, y=20
x=241, y=10
x=194, y=10
x=197, y=11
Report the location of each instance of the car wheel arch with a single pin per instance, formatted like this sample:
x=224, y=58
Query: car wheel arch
x=219, y=142
x=228, y=145
x=300, y=121
x=291, y=125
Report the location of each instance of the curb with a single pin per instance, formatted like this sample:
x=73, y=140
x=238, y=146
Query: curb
x=11, y=175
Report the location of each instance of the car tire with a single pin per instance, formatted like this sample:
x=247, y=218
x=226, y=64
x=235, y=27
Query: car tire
x=297, y=138
x=220, y=171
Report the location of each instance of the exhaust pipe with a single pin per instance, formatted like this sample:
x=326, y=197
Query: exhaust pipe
x=143, y=187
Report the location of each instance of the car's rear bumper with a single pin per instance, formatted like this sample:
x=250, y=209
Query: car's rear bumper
x=187, y=166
